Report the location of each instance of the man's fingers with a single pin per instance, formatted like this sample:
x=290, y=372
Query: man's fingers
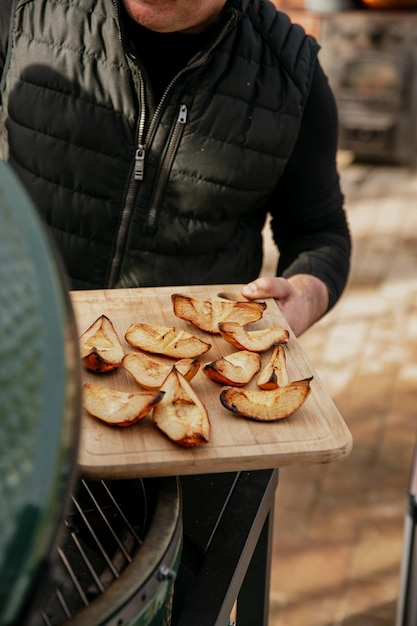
x=266, y=288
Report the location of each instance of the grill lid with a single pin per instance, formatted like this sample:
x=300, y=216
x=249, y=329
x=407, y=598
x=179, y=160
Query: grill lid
x=40, y=387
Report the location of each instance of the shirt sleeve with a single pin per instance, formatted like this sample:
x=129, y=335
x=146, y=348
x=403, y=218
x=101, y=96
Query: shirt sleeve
x=309, y=222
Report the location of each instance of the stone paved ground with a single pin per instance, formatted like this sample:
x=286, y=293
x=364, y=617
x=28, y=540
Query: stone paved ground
x=339, y=528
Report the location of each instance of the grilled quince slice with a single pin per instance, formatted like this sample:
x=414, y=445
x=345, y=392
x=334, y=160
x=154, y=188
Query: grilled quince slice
x=119, y=408
x=172, y=342
x=181, y=415
x=253, y=340
x=235, y=369
x=150, y=371
x=266, y=406
x=208, y=314
x=100, y=347
x=274, y=374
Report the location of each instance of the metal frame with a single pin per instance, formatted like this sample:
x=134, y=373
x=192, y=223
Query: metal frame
x=407, y=602
x=228, y=524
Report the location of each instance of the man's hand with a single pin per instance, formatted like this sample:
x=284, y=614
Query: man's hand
x=302, y=298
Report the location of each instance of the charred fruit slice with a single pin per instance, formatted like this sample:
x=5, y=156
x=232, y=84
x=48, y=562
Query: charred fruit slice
x=235, y=369
x=172, y=342
x=118, y=408
x=181, y=415
x=150, y=371
x=274, y=374
x=208, y=314
x=266, y=406
x=253, y=340
x=100, y=347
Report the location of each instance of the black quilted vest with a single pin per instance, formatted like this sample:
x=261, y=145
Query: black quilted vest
x=138, y=196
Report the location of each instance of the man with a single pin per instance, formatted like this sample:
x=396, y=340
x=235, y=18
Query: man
x=156, y=136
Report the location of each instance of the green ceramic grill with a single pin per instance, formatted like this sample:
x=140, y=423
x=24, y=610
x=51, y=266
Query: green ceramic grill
x=71, y=551
x=39, y=396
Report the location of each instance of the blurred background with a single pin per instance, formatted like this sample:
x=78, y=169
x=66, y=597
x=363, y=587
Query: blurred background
x=342, y=531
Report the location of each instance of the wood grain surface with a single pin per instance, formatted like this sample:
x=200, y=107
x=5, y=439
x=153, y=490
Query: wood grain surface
x=316, y=433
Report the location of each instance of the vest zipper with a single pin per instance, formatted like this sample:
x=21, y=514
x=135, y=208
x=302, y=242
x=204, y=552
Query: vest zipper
x=180, y=122
x=166, y=166
x=140, y=155
x=131, y=191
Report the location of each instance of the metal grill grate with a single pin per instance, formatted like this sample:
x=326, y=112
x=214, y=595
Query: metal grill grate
x=103, y=531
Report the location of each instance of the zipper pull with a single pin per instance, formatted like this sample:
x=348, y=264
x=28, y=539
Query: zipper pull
x=139, y=162
x=182, y=115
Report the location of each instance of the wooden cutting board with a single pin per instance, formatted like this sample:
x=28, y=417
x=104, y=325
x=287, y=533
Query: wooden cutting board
x=316, y=433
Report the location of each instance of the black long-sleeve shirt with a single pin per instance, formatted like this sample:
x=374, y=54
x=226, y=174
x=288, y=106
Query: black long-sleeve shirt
x=308, y=191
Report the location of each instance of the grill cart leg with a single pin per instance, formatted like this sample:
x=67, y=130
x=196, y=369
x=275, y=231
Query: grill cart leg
x=228, y=520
